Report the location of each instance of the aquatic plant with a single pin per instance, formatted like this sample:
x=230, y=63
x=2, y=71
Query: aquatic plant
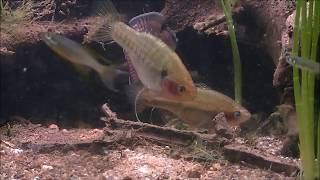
x=11, y=18
x=1, y=6
x=235, y=51
x=306, y=45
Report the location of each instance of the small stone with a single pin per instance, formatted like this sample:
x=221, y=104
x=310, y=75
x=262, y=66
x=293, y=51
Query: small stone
x=46, y=167
x=127, y=178
x=194, y=172
x=36, y=163
x=53, y=126
x=215, y=167
x=97, y=130
x=16, y=151
x=36, y=178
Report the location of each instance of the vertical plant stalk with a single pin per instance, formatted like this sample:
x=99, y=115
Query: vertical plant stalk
x=235, y=51
x=305, y=44
x=318, y=147
x=314, y=54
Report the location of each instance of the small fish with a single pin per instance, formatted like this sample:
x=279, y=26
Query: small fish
x=158, y=67
x=200, y=112
x=76, y=54
x=304, y=64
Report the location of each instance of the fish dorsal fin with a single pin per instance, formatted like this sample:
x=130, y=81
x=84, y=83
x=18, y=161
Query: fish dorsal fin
x=150, y=22
x=169, y=37
x=103, y=8
x=107, y=17
x=153, y=23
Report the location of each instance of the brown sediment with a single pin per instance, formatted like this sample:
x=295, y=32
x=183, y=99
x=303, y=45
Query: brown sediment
x=181, y=14
x=33, y=150
x=29, y=33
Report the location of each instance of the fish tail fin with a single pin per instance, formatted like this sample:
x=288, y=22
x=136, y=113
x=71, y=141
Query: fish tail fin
x=113, y=78
x=108, y=16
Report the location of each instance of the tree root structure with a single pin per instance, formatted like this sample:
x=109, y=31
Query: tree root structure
x=240, y=153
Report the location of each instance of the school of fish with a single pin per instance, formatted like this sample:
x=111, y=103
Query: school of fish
x=156, y=70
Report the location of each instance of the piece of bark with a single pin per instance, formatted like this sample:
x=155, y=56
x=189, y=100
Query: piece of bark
x=241, y=153
x=163, y=135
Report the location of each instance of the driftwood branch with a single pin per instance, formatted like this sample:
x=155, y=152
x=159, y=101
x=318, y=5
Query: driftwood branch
x=241, y=153
x=163, y=135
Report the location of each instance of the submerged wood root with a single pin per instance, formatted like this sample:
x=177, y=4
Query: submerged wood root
x=163, y=135
x=240, y=153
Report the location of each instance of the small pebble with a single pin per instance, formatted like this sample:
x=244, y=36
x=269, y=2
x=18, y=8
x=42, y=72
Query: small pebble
x=36, y=178
x=215, y=167
x=195, y=172
x=46, y=167
x=97, y=130
x=53, y=126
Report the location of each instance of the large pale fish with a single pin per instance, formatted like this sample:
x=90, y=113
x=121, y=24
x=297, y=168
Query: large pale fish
x=153, y=23
x=158, y=67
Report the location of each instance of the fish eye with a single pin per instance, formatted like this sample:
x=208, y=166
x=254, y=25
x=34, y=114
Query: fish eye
x=236, y=114
x=181, y=89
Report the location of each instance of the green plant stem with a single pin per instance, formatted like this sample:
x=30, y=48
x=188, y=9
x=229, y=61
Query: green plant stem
x=314, y=54
x=318, y=147
x=235, y=51
x=307, y=28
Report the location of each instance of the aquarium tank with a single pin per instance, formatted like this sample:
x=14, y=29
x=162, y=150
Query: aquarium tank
x=160, y=89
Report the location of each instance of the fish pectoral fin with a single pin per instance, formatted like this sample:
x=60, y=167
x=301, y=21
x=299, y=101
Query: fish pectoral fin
x=134, y=92
x=149, y=22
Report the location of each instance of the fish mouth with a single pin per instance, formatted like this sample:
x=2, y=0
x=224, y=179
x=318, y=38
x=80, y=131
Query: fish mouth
x=246, y=115
x=236, y=122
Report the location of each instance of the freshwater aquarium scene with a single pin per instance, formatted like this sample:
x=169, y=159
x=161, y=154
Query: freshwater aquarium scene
x=160, y=89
